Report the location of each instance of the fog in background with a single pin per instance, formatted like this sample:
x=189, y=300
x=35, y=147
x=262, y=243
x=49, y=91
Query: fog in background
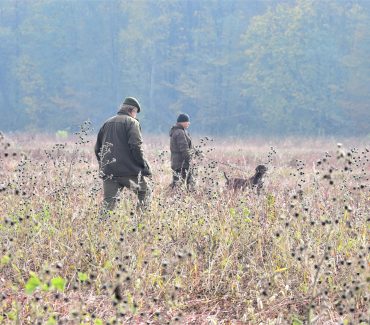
x=238, y=68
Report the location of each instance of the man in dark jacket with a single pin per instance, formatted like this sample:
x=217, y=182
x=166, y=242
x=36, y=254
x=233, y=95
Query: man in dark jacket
x=181, y=146
x=120, y=155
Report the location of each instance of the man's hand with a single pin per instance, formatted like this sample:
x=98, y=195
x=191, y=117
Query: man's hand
x=146, y=170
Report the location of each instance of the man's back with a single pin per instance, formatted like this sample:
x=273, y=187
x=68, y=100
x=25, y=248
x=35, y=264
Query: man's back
x=119, y=142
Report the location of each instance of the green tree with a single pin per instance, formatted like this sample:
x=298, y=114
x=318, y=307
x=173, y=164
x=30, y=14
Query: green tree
x=356, y=102
x=301, y=67
x=294, y=69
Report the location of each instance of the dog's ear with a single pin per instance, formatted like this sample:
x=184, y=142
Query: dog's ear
x=261, y=169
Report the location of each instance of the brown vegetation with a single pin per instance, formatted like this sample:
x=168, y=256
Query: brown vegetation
x=296, y=253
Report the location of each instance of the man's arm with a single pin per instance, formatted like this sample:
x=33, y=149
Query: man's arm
x=135, y=141
x=183, y=147
x=98, y=144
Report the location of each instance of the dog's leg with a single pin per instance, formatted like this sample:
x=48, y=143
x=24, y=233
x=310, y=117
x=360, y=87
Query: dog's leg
x=259, y=187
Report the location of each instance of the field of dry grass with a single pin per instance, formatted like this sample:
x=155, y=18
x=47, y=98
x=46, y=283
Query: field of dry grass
x=296, y=254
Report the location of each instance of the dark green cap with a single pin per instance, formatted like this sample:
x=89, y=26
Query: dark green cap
x=132, y=102
x=183, y=118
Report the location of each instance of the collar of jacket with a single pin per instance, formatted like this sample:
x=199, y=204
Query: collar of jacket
x=178, y=126
x=127, y=114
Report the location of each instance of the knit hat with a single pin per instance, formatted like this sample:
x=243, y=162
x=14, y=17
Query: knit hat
x=132, y=102
x=183, y=118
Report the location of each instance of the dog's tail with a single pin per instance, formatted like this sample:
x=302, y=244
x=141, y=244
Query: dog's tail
x=227, y=179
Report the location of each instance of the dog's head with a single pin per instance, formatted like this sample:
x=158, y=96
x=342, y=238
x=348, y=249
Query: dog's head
x=261, y=169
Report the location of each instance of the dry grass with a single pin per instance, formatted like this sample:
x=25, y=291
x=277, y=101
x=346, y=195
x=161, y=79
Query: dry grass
x=298, y=253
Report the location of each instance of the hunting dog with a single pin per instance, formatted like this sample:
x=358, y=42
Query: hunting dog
x=256, y=181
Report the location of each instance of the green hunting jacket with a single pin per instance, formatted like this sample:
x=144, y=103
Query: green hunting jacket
x=118, y=147
x=180, y=146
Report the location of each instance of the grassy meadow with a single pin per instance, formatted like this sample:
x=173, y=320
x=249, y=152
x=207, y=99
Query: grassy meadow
x=298, y=253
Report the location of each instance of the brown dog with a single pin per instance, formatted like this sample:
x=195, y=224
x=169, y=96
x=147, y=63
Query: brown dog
x=256, y=181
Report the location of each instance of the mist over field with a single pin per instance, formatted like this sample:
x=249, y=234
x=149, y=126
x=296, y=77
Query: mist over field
x=282, y=84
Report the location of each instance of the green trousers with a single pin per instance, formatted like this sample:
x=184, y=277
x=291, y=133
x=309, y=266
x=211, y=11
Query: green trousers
x=112, y=188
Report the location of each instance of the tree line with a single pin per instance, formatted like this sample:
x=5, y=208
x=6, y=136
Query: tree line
x=237, y=67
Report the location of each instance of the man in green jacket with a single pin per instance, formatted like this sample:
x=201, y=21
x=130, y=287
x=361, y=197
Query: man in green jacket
x=181, y=146
x=120, y=155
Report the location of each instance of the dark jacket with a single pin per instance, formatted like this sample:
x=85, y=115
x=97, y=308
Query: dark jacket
x=118, y=147
x=180, y=146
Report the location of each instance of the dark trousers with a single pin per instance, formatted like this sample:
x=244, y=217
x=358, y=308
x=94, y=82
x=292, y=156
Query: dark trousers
x=113, y=186
x=182, y=176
